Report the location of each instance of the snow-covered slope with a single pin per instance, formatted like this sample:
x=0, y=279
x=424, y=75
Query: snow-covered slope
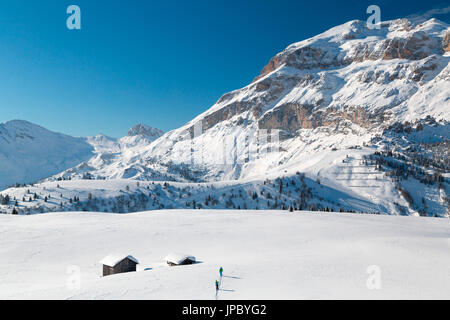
x=29, y=152
x=265, y=255
x=125, y=195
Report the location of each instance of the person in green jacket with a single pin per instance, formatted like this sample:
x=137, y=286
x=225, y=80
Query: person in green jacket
x=221, y=271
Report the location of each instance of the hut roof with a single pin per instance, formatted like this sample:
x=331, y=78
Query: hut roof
x=113, y=259
x=178, y=258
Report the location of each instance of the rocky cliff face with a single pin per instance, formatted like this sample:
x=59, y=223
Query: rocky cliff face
x=397, y=39
x=446, y=42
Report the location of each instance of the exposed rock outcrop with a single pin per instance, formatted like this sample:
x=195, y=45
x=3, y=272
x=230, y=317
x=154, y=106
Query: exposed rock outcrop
x=446, y=42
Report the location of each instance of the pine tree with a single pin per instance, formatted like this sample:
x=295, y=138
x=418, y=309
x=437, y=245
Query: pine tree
x=4, y=200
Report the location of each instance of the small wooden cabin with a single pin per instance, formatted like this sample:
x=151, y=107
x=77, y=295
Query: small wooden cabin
x=178, y=259
x=113, y=264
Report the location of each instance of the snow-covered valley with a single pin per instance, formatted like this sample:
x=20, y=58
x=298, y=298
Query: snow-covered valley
x=265, y=255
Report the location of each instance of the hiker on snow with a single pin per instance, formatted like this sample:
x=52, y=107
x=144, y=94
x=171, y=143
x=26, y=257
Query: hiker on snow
x=217, y=285
x=221, y=271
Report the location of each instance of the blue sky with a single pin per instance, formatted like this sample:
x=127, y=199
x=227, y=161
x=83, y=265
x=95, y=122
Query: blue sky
x=154, y=62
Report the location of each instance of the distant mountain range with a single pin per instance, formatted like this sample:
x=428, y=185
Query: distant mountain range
x=29, y=152
x=363, y=112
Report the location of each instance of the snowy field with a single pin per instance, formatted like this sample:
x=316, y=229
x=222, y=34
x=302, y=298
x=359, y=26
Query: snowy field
x=265, y=255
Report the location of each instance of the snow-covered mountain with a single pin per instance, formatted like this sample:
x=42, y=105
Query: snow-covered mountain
x=29, y=152
x=110, y=154
x=336, y=90
x=362, y=111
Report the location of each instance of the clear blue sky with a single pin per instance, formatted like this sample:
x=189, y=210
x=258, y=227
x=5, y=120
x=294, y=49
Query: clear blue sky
x=154, y=62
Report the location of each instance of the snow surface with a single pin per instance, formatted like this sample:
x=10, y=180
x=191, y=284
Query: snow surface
x=265, y=255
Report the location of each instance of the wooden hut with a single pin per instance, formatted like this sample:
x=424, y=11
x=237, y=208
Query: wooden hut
x=113, y=264
x=178, y=259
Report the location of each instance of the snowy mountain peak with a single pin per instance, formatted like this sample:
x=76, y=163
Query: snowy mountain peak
x=145, y=130
x=17, y=130
x=354, y=42
x=17, y=123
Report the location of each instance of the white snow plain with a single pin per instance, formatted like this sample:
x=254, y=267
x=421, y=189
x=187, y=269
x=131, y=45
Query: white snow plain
x=265, y=255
